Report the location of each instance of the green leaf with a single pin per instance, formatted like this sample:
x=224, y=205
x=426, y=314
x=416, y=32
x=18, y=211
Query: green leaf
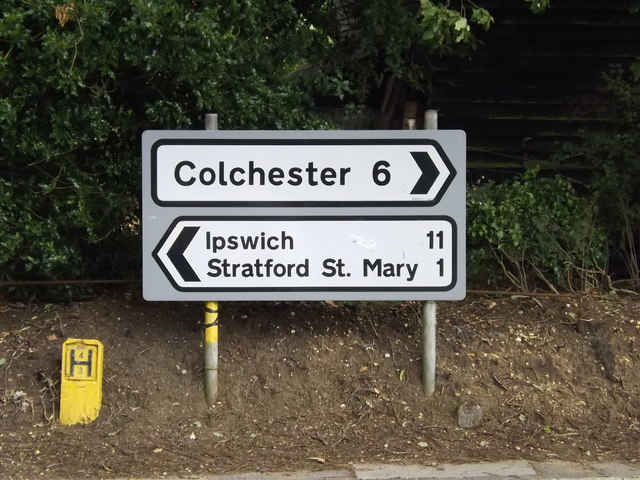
x=461, y=24
x=482, y=17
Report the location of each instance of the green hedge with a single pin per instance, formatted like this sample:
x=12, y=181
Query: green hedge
x=535, y=233
x=79, y=83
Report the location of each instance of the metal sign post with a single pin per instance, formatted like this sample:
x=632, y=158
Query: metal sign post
x=429, y=309
x=211, y=355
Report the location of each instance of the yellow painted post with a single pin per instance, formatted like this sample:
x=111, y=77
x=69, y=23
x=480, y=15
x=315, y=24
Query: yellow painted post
x=211, y=320
x=81, y=381
x=211, y=352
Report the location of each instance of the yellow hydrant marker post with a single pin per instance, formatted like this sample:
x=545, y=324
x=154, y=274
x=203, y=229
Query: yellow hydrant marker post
x=81, y=381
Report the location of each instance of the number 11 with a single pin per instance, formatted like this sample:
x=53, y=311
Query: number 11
x=439, y=236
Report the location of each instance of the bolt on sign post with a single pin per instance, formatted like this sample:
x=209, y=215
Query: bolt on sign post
x=81, y=381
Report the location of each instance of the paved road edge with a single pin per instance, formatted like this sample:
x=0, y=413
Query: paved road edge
x=510, y=469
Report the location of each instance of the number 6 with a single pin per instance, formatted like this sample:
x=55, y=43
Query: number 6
x=381, y=174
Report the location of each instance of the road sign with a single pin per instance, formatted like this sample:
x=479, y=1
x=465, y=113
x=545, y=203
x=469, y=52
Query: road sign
x=298, y=254
x=303, y=215
x=324, y=171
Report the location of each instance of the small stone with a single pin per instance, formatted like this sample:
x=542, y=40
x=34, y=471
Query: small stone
x=469, y=415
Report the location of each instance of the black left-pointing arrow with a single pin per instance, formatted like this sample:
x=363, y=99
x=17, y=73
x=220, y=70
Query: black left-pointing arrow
x=176, y=254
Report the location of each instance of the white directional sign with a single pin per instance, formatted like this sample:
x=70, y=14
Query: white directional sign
x=216, y=172
x=218, y=254
x=303, y=215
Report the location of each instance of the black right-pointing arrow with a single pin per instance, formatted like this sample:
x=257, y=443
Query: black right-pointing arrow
x=176, y=254
x=429, y=173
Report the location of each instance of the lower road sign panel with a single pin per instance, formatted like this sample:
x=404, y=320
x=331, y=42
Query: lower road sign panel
x=219, y=255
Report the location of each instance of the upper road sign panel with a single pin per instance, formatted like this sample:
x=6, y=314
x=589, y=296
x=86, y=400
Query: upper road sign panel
x=248, y=171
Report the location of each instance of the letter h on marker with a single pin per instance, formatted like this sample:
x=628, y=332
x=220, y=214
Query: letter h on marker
x=73, y=362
